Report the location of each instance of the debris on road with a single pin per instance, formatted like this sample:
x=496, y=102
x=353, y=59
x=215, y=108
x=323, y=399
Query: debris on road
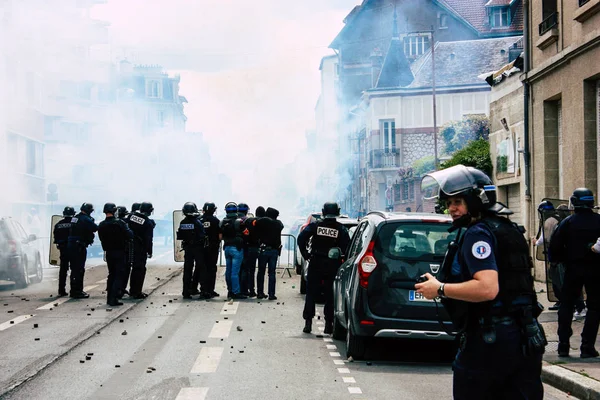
x=35, y=325
x=124, y=333
x=239, y=328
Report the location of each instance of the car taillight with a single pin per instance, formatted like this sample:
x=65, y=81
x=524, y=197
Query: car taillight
x=12, y=246
x=367, y=264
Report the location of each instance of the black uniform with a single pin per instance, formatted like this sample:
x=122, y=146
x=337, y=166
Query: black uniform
x=143, y=231
x=251, y=252
x=191, y=232
x=61, y=236
x=128, y=261
x=570, y=245
x=115, y=236
x=325, y=235
x=81, y=236
x=211, y=253
x=269, y=231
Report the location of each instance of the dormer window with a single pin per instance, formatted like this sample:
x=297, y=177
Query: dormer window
x=153, y=89
x=499, y=17
x=416, y=44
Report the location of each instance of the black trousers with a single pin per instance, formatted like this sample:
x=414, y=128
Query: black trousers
x=194, y=271
x=320, y=277
x=138, y=271
x=576, y=278
x=248, y=270
x=115, y=261
x=64, y=268
x=211, y=257
x=77, y=256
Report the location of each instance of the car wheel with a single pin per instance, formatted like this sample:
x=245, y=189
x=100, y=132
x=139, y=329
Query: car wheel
x=355, y=345
x=39, y=271
x=302, y=285
x=339, y=332
x=22, y=280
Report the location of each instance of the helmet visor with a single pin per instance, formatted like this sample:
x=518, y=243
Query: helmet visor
x=451, y=181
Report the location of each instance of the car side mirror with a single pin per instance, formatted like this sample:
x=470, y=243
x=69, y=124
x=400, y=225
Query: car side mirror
x=335, y=253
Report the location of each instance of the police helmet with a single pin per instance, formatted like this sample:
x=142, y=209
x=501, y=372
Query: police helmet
x=545, y=206
x=260, y=212
x=231, y=208
x=470, y=183
x=330, y=210
x=87, y=208
x=68, y=211
x=135, y=207
x=243, y=208
x=209, y=208
x=122, y=211
x=146, y=208
x=110, y=208
x=190, y=209
x=582, y=198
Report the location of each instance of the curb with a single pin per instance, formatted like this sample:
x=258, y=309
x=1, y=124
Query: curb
x=83, y=338
x=570, y=382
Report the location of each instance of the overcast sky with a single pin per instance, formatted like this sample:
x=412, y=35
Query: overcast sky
x=249, y=69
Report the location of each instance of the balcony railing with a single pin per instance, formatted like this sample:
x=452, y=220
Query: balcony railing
x=548, y=23
x=384, y=159
x=582, y=2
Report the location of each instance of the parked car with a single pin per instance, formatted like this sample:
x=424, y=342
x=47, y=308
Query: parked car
x=20, y=259
x=350, y=224
x=374, y=294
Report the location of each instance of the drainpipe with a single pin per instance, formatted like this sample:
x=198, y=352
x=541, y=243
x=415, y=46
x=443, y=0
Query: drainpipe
x=526, y=89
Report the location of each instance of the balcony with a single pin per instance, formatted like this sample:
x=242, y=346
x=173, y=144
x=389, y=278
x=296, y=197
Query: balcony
x=548, y=23
x=587, y=9
x=384, y=159
x=548, y=31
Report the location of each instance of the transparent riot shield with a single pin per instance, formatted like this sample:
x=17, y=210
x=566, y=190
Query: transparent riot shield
x=54, y=252
x=177, y=244
x=548, y=220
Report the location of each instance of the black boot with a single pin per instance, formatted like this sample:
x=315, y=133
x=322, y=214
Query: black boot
x=307, y=326
x=589, y=352
x=328, y=328
x=563, y=349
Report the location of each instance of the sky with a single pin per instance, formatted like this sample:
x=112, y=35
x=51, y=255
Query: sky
x=249, y=69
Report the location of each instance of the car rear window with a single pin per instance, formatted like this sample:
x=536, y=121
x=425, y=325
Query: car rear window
x=414, y=240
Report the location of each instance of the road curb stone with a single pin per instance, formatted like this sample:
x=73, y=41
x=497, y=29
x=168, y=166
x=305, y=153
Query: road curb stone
x=567, y=381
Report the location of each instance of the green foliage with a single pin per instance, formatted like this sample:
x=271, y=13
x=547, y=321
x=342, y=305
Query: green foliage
x=424, y=165
x=406, y=173
x=457, y=134
x=475, y=154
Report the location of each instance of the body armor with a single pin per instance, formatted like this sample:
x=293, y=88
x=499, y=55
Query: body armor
x=326, y=237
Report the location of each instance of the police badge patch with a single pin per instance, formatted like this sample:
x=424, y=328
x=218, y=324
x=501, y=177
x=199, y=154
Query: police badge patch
x=137, y=219
x=481, y=250
x=329, y=232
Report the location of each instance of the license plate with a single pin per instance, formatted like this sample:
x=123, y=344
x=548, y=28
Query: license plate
x=414, y=296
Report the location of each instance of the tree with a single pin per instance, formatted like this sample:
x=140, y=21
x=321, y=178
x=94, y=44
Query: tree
x=476, y=154
x=424, y=165
x=457, y=134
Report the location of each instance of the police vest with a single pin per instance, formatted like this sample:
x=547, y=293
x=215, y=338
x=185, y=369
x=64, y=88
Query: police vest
x=61, y=231
x=81, y=228
x=326, y=237
x=190, y=231
x=112, y=234
x=136, y=222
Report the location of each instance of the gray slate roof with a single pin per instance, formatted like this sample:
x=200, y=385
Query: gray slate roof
x=396, y=69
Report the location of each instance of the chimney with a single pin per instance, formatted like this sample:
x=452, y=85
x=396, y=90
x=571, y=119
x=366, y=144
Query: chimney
x=376, y=64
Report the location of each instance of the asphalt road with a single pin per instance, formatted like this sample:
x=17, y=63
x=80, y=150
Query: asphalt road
x=165, y=347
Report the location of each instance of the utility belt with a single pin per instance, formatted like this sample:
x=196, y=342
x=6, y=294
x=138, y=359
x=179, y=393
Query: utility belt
x=196, y=242
x=265, y=247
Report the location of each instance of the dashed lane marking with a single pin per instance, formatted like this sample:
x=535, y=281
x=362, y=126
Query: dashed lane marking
x=192, y=393
x=15, y=321
x=331, y=347
x=221, y=329
x=102, y=281
x=327, y=339
x=229, y=309
x=54, y=303
x=348, y=379
x=343, y=370
x=339, y=362
x=354, y=390
x=334, y=354
x=207, y=361
x=320, y=323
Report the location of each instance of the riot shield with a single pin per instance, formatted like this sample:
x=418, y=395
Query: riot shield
x=177, y=244
x=54, y=252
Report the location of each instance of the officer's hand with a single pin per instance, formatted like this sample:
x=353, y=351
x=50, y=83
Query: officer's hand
x=428, y=288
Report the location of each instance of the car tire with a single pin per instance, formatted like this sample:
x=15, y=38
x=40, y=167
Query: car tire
x=339, y=332
x=302, y=285
x=356, y=346
x=22, y=280
x=39, y=271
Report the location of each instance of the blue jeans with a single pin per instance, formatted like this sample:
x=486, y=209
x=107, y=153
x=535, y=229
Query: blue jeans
x=233, y=262
x=267, y=257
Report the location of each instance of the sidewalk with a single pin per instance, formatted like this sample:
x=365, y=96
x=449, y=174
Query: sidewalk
x=573, y=375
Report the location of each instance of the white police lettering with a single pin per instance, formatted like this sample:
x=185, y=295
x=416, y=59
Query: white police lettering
x=481, y=250
x=207, y=224
x=61, y=226
x=329, y=232
x=74, y=220
x=137, y=220
x=186, y=226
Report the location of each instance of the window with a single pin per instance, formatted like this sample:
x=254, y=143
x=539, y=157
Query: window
x=388, y=134
x=415, y=45
x=160, y=118
x=500, y=17
x=405, y=190
x=443, y=20
x=153, y=89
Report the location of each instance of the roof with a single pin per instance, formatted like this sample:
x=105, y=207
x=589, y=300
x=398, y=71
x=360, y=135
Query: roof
x=411, y=216
x=493, y=3
x=474, y=12
x=460, y=63
x=395, y=71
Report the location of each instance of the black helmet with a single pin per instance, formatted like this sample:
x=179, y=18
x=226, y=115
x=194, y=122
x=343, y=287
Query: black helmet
x=475, y=186
x=68, y=211
x=122, y=211
x=110, y=208
x=146, y=208
x=330, y=210
x=87, y=208
x=582, y=198
x=209, y=208
x=243, y=208
x=260, y=212
x=545, y=206
x=231, y=208
x=135, y=207
x=190, y=209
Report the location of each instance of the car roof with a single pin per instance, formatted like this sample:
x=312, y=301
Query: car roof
x=411, y=216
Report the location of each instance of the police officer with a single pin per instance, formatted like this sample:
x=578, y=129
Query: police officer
x=115, y=236
x=269, y=230
x=243, y=209
x=61, y=236
x=233, y=243
x=121, y=212
x=571, y=244
x=326, y=234
x=191, y=232
x=251, y=250
x=211, y=253
x=125, y=216
x=143, y=230
x=488, y=291
x=80, y=237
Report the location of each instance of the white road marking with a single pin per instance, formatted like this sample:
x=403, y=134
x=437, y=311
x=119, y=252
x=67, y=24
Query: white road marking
x=15, y=321
x=349, y=379
x=331, y=347
x=54, y=303
x=327, y=339
x=221, y=330
x=207, y=361
x=334, y=354
x=229, y=309
x=320, y=323
x=321, y=328
x=102, y=281
x=192, y=393
x=339, y=362
x=343, y=370
x=89, y=288
x=354, y=390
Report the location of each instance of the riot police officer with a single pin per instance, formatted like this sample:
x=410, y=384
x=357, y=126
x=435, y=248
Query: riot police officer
x=115, y=236
x=211, y=253
x=486, y=286
x=125, y=216
x=121, y=212
x=192, y=233
x=81, y=235
x=571, y=245
x=143, y=230
x=251, y=252
x=243, y=209
x=233, y=242
x=269, y=232
x=326, y=234
x=61, y=236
